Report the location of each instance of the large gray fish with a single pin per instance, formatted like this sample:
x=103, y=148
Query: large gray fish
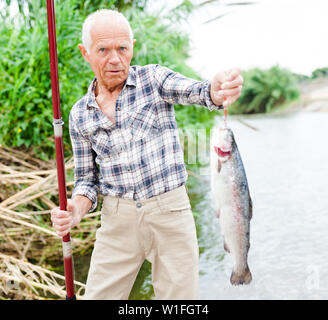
x=232, y=200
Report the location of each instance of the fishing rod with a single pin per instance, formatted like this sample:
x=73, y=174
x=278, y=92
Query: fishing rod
x=59, y=147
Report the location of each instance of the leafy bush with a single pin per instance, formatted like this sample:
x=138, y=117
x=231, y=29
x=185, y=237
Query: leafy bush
x=321, y=72
x=265, y=89
x=25, y=84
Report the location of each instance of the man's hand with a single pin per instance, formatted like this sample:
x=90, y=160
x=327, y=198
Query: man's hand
x=63, y=221
x=226, y=87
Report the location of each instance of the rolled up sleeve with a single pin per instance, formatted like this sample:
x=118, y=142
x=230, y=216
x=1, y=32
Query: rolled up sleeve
x=175, y=88
x=85, y=171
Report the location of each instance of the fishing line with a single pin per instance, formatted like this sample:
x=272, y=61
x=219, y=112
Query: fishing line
x=225, y=112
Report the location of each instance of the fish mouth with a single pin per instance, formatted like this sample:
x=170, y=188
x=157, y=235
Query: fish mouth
x=221, y=153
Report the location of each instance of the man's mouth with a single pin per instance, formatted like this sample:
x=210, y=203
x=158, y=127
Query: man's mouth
x=113, y=71
x=222, y=153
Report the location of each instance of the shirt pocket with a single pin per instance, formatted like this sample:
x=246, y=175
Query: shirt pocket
x=144, y=122
x=102, y=144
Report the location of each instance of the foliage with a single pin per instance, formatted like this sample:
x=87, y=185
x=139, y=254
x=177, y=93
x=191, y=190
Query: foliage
x=25, y=86
x=265, y=89
x=320, y=72
x=85, y=7
x=301, y=78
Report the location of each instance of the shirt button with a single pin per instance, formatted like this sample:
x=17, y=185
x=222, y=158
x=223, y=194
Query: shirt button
x=139, y=205
x=128, y=169
x=118, y=108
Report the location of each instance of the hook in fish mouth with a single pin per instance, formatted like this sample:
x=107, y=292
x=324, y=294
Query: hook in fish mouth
x=221, y=153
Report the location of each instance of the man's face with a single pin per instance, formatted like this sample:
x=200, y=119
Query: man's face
x=111, y=52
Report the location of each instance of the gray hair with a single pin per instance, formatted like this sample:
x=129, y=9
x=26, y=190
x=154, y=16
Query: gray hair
x=93, y=17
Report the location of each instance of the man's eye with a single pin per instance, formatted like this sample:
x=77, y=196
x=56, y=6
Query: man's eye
x=102, y=49
x=122, y=48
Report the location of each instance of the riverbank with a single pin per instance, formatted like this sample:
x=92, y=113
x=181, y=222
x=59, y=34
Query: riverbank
x=313, y=98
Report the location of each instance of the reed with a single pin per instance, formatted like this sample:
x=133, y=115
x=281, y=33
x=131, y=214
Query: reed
x=29, y=281
x=27, y=240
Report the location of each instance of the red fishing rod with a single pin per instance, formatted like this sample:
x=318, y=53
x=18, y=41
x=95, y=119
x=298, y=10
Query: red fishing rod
x=58, y=130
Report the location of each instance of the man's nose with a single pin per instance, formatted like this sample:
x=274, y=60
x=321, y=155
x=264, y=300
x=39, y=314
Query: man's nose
x=113, y=57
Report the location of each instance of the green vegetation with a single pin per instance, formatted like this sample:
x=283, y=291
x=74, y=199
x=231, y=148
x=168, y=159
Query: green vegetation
x=319, y=73
x=264, y=90
x=25, y=86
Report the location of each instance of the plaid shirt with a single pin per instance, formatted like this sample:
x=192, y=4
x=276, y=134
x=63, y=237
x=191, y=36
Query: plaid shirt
x=140, y=155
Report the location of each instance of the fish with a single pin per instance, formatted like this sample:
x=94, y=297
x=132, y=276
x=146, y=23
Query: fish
x=232, y=200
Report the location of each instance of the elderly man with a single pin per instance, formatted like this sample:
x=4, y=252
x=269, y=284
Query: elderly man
x=126, y=145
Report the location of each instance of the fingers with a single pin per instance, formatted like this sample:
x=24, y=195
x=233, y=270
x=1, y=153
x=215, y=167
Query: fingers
x=231, y=88
x=233, y=84
x=61, y=221
x=230, y=100
x=230, y=92
x=57, y=213
x=63, y=230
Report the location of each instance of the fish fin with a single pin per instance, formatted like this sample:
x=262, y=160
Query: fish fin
x=225, y=246
x=217, y=213
x=250, y=207
x=241, y=278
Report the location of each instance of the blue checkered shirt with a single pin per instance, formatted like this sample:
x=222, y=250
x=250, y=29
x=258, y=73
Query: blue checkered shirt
x=140, y=155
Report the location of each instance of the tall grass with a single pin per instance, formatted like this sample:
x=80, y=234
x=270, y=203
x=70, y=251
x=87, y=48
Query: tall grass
x=25, y=85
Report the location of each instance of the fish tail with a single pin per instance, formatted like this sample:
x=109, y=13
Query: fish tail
x=244, y=277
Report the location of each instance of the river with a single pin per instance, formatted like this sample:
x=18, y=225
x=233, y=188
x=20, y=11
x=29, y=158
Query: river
x=287, y=170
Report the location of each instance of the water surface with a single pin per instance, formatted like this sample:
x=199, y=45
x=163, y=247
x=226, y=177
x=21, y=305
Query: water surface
x=286, y=162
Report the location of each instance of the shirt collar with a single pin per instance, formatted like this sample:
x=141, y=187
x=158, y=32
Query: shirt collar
x=91, y=100
x=131, y=79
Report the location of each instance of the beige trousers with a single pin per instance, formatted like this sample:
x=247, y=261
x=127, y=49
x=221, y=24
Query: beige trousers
x=160, y=229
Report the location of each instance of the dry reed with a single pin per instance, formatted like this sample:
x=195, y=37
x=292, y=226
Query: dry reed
x=29, y=191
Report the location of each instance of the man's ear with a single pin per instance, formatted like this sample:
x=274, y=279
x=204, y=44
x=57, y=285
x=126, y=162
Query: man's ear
x=84, y=52
x=134, y=41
